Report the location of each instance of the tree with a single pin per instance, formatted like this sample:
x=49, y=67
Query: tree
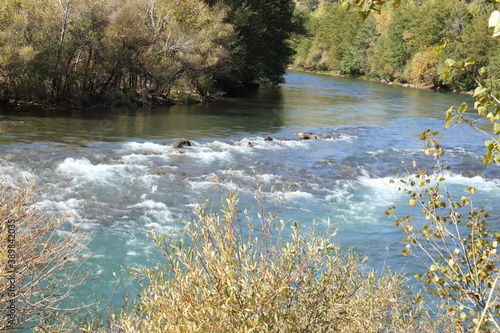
x=392, y=52
x=260, y=51
x=311, y=4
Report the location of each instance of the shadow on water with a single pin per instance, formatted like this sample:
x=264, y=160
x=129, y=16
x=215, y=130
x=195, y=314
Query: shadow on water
x=226, y=118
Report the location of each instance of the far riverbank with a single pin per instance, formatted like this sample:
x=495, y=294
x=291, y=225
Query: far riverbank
x=376, y=79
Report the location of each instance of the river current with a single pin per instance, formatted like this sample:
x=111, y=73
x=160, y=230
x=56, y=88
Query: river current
x=114, y=174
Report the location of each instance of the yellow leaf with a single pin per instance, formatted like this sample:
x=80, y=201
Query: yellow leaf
x=494, y=22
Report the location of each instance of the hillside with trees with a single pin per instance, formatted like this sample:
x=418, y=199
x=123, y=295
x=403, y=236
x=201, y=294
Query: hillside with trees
x=86, y=52
x=399, y=45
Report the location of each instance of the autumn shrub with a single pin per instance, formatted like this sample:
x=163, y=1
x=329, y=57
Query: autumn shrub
x=222, y=276
x=424, y=67
x=39, y=263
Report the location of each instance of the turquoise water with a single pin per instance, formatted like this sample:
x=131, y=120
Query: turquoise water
x=116, y=177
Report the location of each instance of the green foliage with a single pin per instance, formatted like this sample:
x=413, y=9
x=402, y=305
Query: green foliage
x=395, y=44
x=455, y=243
x=358, y=56
x=365, y=7
x=260, y=51
x=310, y=4
x=392, y=51
x=437, y=20
x=337, y=41
x=222, y=278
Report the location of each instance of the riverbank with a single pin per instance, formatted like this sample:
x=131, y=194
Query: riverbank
x=375, y=79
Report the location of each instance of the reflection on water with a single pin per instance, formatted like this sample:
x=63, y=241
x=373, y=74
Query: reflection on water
x=218, y=119
x=345, y=102
x=306, y=102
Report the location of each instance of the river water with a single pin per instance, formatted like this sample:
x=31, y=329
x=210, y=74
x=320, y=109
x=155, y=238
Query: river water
x=116, y=177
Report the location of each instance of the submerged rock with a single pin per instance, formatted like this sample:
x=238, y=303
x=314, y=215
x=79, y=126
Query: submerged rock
x=268, y=138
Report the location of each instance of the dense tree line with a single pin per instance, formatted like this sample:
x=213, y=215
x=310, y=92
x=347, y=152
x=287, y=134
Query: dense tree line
x=86, y=52
x=400, y=44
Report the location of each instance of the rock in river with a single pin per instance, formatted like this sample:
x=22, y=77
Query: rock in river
x=181, y=144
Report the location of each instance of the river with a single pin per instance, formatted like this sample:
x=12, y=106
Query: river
x=115, y=176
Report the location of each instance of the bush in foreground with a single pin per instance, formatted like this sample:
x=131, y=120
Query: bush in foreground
x=262, y=281
x=39, y=266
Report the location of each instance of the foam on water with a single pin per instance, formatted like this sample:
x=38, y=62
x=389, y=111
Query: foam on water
x=149, y=205
x=154, y=215
x=379, y=152
x=381, y=190
x=342, y=137
x=251, y=177
x=260, y=143
x=235, y=147
x=140, y=159
x=144, y=147
x=298, y=196
x=159, y=228
x=485, y=185
x=206, y=155
x=269, y=178
x=11, y=174
x=70, y=211
x=82, y=174
x=207, y=185
x=83, y=169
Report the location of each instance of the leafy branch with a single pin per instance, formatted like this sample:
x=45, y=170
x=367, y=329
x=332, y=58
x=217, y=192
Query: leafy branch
x=457, y=247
